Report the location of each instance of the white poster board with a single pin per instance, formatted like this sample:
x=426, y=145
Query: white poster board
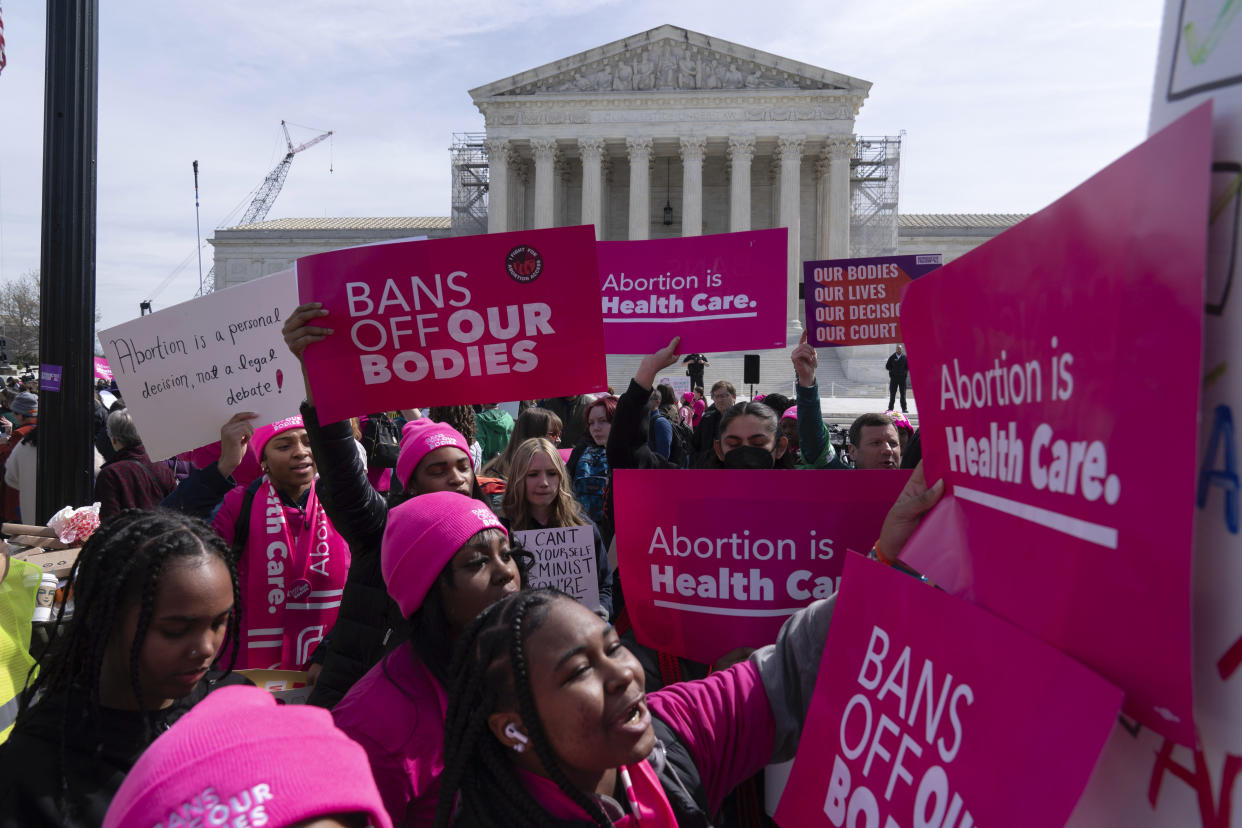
x=1143, y=780
x=184, y=371
x=681, y=385
x=565, y=560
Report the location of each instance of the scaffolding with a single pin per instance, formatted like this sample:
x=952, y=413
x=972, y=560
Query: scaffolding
x=469, y=160
x=873, y=196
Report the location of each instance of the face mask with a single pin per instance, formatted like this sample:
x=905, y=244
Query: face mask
x=749, y=457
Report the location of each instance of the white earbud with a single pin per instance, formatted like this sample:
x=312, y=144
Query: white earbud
x=518, y=736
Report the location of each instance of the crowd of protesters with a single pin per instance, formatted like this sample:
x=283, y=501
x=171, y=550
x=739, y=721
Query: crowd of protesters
x=378, y=556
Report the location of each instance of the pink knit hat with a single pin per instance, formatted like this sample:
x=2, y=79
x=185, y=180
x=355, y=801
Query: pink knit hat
x=418, y=439
x=422, y=536
x=238, y=757
x=267, y=432
x=791, y=413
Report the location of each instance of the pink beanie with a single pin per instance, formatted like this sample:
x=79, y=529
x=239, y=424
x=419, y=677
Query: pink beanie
x=267, y=432
x=418, y=439
x=422, y=536
x=791, y=413
x=240, y=758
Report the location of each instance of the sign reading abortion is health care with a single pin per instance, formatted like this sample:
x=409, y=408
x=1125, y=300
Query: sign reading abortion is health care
x=564, y=560
x=858, y=301
x=1084, y=321
x=716, y=559
x=718, y=293
x=185, y=370
x=504, y=316
x=928, y=711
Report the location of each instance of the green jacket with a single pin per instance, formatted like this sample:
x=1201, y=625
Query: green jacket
x=494, y=427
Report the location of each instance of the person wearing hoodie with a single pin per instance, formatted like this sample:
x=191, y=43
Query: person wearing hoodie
x=495, y=427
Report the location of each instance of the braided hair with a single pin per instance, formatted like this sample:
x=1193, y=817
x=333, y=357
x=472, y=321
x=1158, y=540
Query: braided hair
x=119, y=566
x=490, y=672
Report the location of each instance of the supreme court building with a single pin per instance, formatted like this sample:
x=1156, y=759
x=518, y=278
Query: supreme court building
x=666, y=133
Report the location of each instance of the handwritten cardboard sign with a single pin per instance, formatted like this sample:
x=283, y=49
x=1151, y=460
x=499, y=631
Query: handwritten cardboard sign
x=720, y=293
x=565, y=560
x=185, y=370
x=680, y=385
x=455, y=321
x=1082, y=316
x=716, y=559
x=858, y=301
x=930, y=711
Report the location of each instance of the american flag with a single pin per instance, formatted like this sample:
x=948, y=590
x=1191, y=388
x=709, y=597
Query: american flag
x=2, y=61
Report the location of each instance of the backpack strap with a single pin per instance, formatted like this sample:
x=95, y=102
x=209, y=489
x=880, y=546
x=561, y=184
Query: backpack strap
x=241, y=529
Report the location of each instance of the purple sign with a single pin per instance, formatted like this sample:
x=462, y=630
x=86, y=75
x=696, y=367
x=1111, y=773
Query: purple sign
x=858, y=301
x=49, y=377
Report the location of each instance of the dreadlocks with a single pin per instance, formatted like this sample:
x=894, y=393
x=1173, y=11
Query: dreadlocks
x=490, y=671
x=121, y=566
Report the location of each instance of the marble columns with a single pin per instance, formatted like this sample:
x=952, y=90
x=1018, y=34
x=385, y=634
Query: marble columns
x=640, y=187
x=692, y=150
x=741, y=152
x=790, y=150
x=499, y=154
x=840, y=150
x=592, y=151
x=544, y=150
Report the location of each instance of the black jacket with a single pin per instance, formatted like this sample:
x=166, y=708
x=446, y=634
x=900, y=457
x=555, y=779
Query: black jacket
x=369, y=623
x=897, y=366
x=98, y=753
x=627, y=441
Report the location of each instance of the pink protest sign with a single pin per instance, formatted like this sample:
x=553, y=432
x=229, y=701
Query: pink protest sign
x=929, y=711
x=719, y=293
x=713, y=560
x=102, y=371
x=1063, y=415
x=455, y=321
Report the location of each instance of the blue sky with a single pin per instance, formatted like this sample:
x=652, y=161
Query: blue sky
x=1006, y=106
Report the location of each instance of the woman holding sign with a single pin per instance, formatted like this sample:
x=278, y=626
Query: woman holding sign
x=549, y=718
x=538, y=497
x=445, y=557
x=433, y=457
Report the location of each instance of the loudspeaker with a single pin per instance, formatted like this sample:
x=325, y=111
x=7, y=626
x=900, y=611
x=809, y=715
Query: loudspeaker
x=750, y=369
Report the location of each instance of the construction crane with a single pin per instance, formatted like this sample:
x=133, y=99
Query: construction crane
x=262, y=201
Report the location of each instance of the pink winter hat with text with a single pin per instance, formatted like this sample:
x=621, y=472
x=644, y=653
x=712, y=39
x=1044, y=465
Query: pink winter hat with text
x=422, y=536
x=239, y=758
x=267, y=432
x=421, y=437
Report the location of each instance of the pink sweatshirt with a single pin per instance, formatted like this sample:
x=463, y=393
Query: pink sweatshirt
x=396, y=712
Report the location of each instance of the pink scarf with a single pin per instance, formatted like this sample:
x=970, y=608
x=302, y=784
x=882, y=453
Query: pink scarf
x=292, y=579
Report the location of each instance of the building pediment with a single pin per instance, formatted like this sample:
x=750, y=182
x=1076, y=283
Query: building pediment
x=670, y=59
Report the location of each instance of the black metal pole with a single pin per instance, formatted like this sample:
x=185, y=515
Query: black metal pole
x=67, y=297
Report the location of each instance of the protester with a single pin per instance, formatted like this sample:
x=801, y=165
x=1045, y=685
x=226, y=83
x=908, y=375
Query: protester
x=155, y=596
x=905, y=430
x=241, y=759
x=130, y=480
x=874, y=443
x=659, y=427
x=898, y=369
x=495, y=426
x=433, y=458
x=589, y=474
x=445, y=558
x=724, y=395
x=685, y=410
x=462, y=419
x=20, y=491
x=814, y=445
x=292, y=561
x=381, y=441
x=699, y=405
x=538, y=497
x=533, y=422
x=572, y=412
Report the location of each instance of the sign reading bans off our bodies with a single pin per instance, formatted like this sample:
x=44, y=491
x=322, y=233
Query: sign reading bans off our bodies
x=455, y=321
x=1055, y=517
x=718, y=293
x=931, y=713
x=858, y=301
x=716, y=559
